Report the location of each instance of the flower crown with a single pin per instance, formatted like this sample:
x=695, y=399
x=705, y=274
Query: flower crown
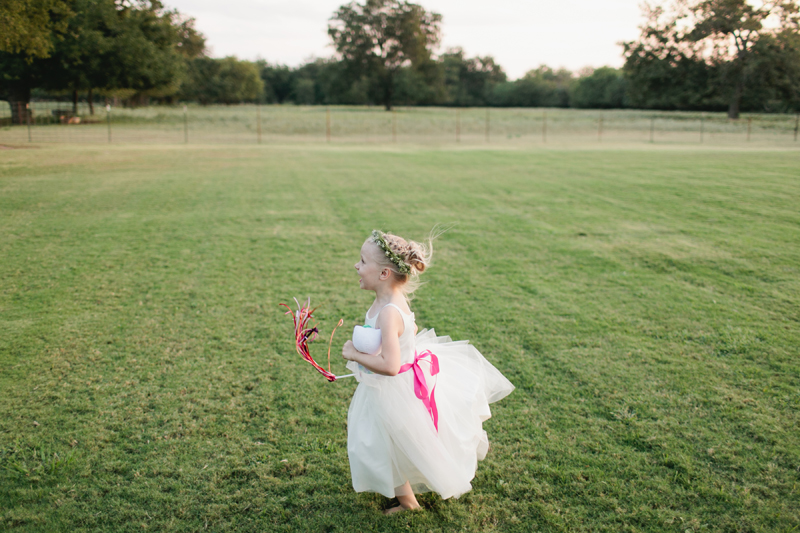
x=379, y=239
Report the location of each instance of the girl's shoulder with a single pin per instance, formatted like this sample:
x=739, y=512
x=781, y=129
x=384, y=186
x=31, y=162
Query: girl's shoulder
x=381, y=316
x=374, y=311
x=404, y=309
x=398, y=318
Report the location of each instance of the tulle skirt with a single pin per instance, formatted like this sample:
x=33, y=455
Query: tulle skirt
x=391, y=436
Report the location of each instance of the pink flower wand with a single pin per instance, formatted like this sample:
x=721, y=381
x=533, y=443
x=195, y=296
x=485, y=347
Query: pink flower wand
x=303, y=334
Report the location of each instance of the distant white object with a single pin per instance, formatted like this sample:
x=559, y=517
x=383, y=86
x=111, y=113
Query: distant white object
x=367, y=340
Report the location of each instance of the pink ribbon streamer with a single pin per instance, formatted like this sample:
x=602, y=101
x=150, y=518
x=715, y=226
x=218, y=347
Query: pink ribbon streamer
x=421, y=387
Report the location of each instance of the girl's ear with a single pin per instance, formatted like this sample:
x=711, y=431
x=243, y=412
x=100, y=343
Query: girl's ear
x=385, y=273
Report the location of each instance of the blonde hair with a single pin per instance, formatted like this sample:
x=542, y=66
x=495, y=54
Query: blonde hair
x=416, y=255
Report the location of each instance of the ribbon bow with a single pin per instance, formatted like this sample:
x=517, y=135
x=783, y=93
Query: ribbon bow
x=421, y=387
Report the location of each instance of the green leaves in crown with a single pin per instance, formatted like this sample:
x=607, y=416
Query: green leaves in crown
x=379, y=239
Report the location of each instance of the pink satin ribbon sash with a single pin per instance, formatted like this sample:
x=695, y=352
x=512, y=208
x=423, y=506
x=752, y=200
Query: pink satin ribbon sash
x=421, y=387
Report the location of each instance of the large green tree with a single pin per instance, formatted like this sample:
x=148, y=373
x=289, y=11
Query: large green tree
x=150, y=50
x=603, y=88
x=706, y=44
x=28, y=26
x=666, y=72
x=107, y=45
x=774, y=74
x=277, y=81
x=80, y=59
x=470, y=81
x=29, y=30
x=223, y=81
x=378, y=38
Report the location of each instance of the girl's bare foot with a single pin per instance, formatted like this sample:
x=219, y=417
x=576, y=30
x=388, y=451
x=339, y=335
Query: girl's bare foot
x=406, y=499
x=399, y=508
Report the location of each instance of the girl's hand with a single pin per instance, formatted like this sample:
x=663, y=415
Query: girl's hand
x=348, y=351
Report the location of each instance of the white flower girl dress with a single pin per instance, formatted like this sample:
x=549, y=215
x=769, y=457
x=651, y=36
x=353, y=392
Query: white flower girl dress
x=395, y=434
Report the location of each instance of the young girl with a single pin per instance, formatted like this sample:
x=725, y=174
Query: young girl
x=415, y=421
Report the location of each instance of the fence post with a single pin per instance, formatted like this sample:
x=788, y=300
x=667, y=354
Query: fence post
x=327, y=124
x=258, y=122
x=108, y=120
x=749, y=121
x=487, y=124
x=702, y=118
x=185, y=125
x=796, y=126
x=28, y=116
x=394, y=127
x=544, y=126
x=600, y=129
x=652, y=128
x=458, y=125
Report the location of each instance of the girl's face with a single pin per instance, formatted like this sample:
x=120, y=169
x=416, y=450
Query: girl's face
x=368, y=268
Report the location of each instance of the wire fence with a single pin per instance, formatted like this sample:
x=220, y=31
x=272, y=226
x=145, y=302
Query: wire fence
x=55, y=122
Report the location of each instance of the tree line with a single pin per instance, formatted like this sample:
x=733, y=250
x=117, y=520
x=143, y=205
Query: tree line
x=691, y=55
x=452, y=79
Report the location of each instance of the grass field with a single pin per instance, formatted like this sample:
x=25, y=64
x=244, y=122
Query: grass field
x=644, y=301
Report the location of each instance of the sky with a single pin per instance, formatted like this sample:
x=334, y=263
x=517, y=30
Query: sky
x=520, y=35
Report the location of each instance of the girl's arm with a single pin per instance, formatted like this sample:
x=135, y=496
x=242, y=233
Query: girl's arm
x=387, y=362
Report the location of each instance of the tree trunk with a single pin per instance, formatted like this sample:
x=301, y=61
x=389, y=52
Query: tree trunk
x=736, y=97
x=140, y=100
x=736, y=100
x=18, y=100
x=75, y=102
x=388, y=90
x=91, y=102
